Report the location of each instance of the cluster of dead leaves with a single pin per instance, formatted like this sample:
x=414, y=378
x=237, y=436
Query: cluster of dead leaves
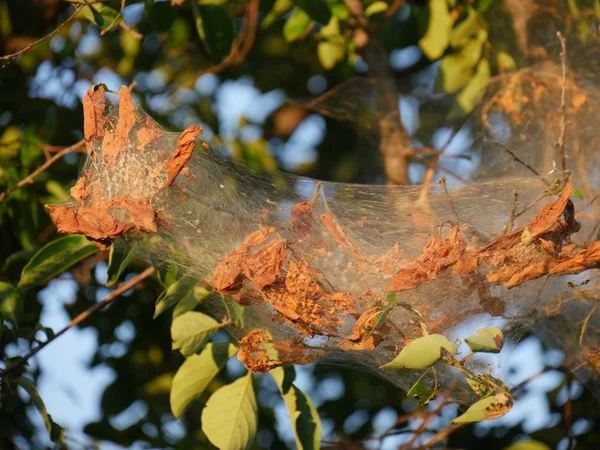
x=97, y=215
x=537, y=249
x=260, y=353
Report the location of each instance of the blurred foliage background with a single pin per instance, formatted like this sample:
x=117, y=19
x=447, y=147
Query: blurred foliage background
x=339, y=90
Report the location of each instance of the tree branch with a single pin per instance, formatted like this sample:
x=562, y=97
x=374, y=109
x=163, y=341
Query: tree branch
x=124, y=287
x=29, y=179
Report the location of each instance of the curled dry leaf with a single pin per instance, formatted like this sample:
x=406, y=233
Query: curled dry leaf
x=93, y=115
x=259, y=353
x=185, y=148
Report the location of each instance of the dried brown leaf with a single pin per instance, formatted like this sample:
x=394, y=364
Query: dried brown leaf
x=185, y=148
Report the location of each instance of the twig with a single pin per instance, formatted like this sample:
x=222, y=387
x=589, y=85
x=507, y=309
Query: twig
x=114, y=21
x=243, y=42
x=442, y=181
x=124, y=287
x=441, y=435
x=511, y=219
x=585, y=322
x=516, y=158
x=29, y=178
x=49, y=35
x=563, y=109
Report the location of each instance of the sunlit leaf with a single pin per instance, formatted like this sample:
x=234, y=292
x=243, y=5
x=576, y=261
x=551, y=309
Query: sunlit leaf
x=488, y=339
x=119, y=257
x=174, y=293
x=473, y=92
x=102, y=15
x=297, y=25
x=376, y=8
x=191, y=330
x=191, y=300
x=54, y=258
x=577, y=193
x=487, y=408
x=330, y=53
x=528, y=445
x=229, y=419
x=437, y=36
x=425, y=387
x=303, y=414
x=196, y=373
x=422, y=352
x=279, y=7
x=466, y=29
x=506, y=62
x=159, y=385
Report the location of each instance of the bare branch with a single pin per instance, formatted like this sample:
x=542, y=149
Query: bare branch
x=124, y=287
x=563, y=109
x=29, y=179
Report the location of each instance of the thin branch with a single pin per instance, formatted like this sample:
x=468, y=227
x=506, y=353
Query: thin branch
x=442, y=181
x=563, y=109
x=124, y=287
x=114, y=21
x=516, y=158
x=511, y=219
x=49, y=35
x=29, y=179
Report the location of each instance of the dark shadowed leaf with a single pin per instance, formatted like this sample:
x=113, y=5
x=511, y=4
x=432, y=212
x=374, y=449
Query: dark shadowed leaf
x=317, y=9
x=174, y=293
x=215, y=28
x=303, y=414
x=425, y=388
x=54, y=258
x=119, y=257
x=31, y=389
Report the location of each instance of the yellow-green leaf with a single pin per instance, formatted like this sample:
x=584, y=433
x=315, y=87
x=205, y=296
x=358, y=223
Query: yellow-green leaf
x=196, y=373
x=303, y=414
x=487, y=339
x=422, y=352
x=297, y=25
x=528, y=445
x=229, y=419
x=437, y=36
x=425, y=387
x=191, y=330
x=279, y=7
x=470, y=96
x=376, y=8
x=330, y=53
x=487, y=408
x=466, y=29
x=54, y=258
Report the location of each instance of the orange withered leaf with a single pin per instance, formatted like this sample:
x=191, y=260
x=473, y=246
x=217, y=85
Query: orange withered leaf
x=185, y=148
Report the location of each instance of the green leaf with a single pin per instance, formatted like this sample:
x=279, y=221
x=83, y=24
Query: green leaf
x=229, y=419
x=473, y=92
x=159, y=385
x=191, y=330
x=174, y=293
x=331, y=30
x=506, y=62
x=196, y=373
x=54, y=258
x=191, y=300
x=316, y=9
x=487, y=339
x=528, y=445
x=330, y=53
x=161, y=15
x=425, y=388
x=9, y=301
x=577, y=193
x=487, y=408
x=31, y=389
x=478, y=387
x=437, y=36
x=101, y=15
x=376, y=8
x=306, y=422
x=215, y=28
x=119, y=257
x=422, y=352
x=10, y=143
x=297, y=25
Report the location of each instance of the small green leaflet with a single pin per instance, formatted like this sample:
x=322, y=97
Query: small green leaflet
x=576, y=193
x=196, y=373
x=191, y=330
x=55, y=258
x=174, y=293
x=488, y=339
x=528, y=445
x=119, y=257
x=422, y=353
x=425, y=388
x=303, y=414
x=9, y=301
x=487, y=408
x=230, y=417
x=437, y=37
x=103, y=16
x=376, y=8
x=330, y=53
x=298, y=24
